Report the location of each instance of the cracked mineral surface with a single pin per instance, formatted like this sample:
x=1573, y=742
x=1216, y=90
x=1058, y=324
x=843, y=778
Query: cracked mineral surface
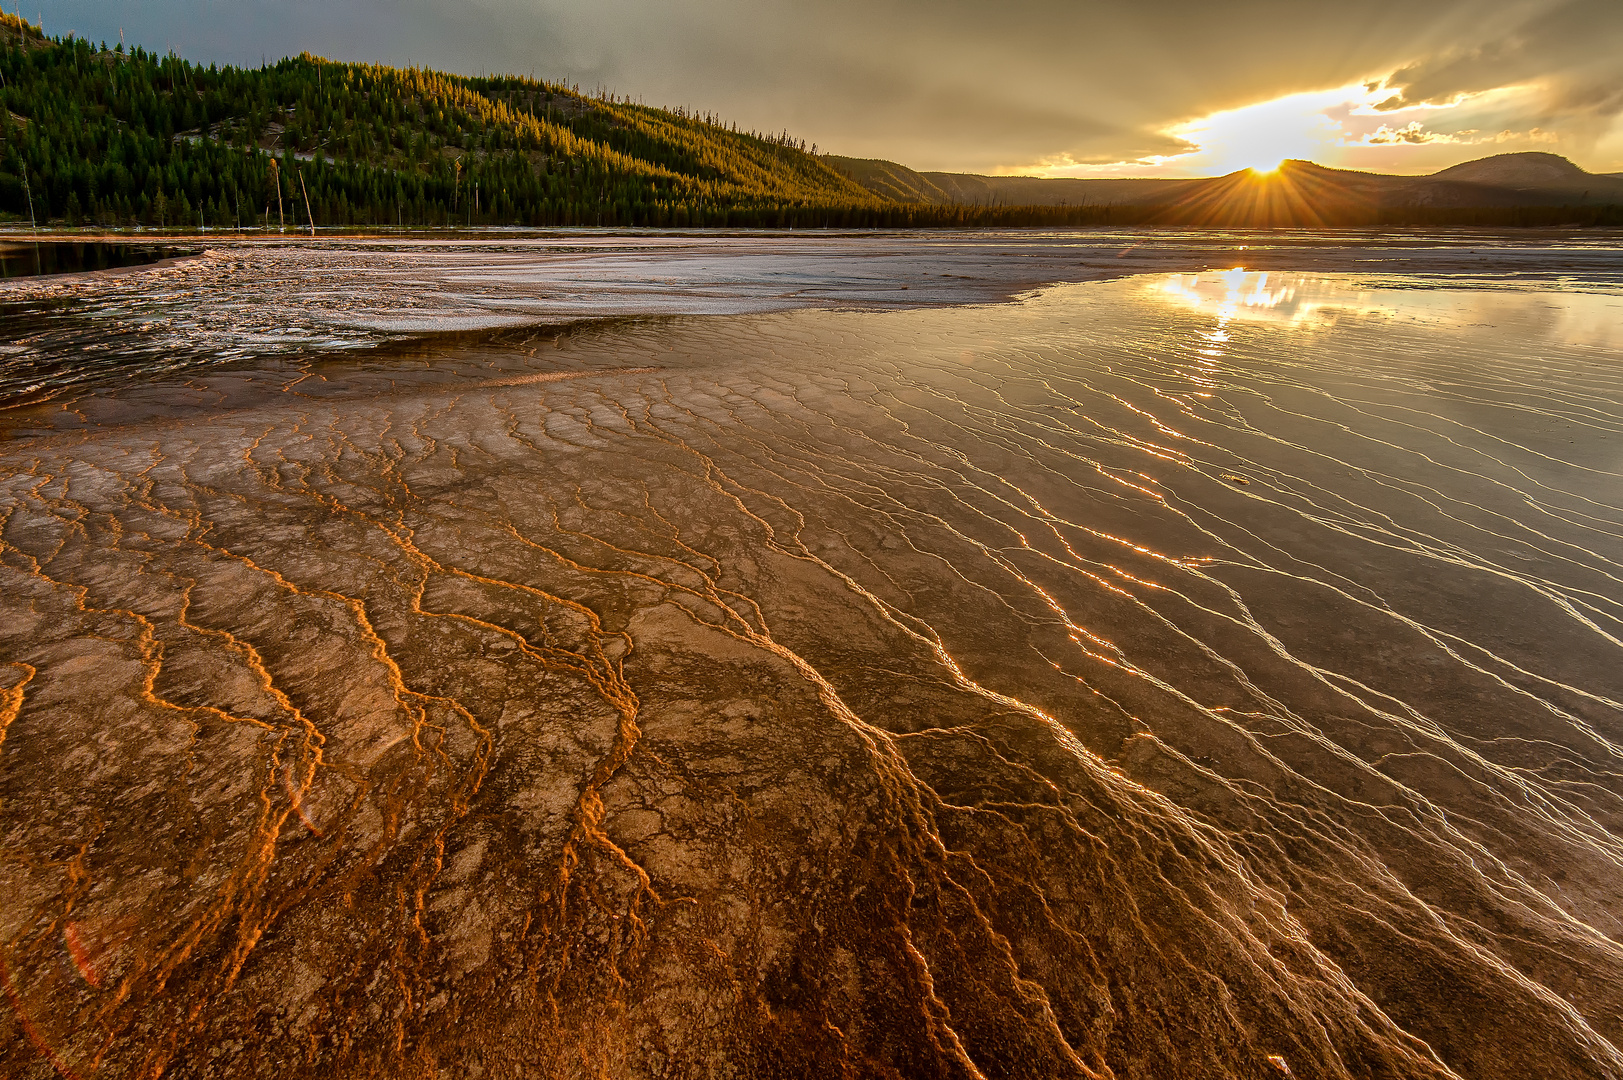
x=1211, y=674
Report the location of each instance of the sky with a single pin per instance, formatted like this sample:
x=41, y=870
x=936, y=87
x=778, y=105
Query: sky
x=1042, y=87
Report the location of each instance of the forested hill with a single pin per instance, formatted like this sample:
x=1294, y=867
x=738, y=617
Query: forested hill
x=90, y=134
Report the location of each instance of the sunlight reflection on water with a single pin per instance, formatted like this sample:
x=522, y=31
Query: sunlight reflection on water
x=1288, y=299
x=1310, y=301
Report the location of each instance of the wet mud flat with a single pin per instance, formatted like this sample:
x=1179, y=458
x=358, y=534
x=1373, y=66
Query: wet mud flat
x=1182, y=675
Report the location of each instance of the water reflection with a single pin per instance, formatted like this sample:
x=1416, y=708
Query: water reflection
x=1260, y=296
x=49, y=257
x=1559, y=311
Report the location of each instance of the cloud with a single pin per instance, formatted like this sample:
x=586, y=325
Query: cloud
x=1411, y=134
x=1570, y=41
x=951, y=84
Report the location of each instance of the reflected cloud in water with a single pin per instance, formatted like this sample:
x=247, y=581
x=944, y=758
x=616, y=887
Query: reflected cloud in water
x=1253, y=296
x=1313, y=301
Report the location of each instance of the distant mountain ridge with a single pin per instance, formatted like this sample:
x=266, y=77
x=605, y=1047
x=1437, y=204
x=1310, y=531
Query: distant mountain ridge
x=1502, y=180
x=890, y=180
x=1516, y=170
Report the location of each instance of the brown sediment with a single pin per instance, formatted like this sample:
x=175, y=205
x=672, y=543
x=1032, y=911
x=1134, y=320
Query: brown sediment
x=892, y=695
x=559, y=376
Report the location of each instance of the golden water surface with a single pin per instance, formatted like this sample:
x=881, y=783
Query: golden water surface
x=1200, y=675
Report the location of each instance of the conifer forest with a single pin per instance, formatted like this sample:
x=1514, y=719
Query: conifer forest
x=97, y=135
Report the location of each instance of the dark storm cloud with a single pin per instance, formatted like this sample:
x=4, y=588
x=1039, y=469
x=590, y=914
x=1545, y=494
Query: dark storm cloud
x=934, y=83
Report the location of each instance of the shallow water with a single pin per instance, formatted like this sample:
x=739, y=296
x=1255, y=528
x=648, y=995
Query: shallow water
x=54, y=256
x=242, y=302
x=1198, y=674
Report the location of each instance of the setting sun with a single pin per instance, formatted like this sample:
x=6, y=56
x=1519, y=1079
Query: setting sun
x=1262, y=136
